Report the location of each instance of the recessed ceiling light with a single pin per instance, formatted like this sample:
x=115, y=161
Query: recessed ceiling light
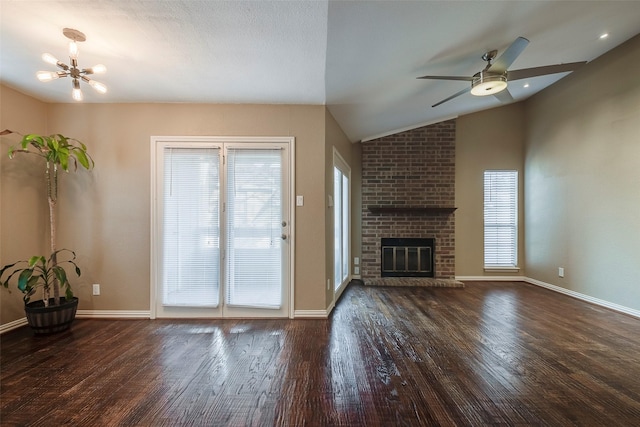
x=526, y=85
x=604, y=36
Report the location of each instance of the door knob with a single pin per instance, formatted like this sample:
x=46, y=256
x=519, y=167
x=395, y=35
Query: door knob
x=284, y=237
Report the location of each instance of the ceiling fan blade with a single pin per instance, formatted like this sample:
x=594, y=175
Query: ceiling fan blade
x=462, y=92
x=467, y=79
x=525, y=73
x=504, y=96
x=509, y=55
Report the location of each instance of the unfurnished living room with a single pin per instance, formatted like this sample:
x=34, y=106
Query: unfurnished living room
x=319, y=213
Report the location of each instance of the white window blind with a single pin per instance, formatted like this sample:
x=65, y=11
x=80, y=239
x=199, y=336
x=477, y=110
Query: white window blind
x=500, y=218
x=254, y=229
x=191, y=238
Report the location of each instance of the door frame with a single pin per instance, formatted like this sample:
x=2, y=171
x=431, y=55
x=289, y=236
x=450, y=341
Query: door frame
x=155, y=143
x=340, y=163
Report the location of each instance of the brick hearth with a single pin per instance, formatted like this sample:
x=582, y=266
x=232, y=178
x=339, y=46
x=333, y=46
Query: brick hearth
x=412, y=169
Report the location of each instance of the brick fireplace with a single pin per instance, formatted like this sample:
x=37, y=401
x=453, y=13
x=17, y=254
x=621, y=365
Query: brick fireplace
x=408, y=191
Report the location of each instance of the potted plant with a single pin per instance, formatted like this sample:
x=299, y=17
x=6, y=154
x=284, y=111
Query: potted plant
x=53, y=313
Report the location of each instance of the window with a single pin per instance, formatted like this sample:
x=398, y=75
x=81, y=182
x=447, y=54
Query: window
x=500, y=219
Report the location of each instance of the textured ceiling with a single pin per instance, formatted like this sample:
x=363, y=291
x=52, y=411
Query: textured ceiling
x=360, y=58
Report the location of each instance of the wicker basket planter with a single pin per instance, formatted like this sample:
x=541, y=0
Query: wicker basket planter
x=51, y=319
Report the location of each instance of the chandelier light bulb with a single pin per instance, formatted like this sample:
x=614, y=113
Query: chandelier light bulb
x=97, y=69
x=99, y=87
x=73, y=50
x=47, y=76
x=47, y=57
x=76, y=93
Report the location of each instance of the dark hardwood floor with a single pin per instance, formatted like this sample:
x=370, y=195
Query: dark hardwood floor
x=491, y=354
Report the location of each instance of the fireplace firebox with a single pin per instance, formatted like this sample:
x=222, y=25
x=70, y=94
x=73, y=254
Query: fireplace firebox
x=407, y=257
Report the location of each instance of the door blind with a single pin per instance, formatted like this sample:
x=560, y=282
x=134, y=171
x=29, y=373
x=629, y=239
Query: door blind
x=254, y=228
x=191, y=238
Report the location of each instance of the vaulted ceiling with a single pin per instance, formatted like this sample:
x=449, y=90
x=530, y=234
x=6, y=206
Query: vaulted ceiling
x=360, y=58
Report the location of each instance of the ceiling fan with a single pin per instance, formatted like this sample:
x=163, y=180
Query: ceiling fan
x=492, y=80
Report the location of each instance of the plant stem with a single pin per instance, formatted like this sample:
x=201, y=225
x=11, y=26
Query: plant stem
x=52, y=196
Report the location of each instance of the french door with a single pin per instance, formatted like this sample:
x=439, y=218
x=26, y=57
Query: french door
x=222, y=227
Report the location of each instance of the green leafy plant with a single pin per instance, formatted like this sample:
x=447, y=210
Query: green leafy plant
x=40, y=272
x=59, y=153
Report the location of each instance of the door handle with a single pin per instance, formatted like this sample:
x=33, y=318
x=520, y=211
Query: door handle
x=284, y=236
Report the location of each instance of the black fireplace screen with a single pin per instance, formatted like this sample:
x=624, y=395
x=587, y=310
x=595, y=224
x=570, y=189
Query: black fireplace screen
x=408, y=257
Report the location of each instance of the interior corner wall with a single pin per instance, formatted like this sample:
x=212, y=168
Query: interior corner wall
x=489, y=139
x=582, y=182
x=24, y=221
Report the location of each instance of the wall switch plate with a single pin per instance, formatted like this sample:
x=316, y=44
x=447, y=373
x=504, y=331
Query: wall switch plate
x=96, y=289
x=299, y=200
x=328, y=283
x=356, y=261
x=560, y=271
x=356, y=270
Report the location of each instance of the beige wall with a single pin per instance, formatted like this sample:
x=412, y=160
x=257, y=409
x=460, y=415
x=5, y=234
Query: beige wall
x=582, y=184
x=490, y=139
x=107, y=211
x=23, y=201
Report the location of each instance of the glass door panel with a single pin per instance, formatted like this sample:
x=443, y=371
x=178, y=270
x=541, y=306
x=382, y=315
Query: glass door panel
x=254, y=228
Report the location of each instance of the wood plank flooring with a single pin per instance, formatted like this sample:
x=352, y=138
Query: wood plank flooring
x=491, y=354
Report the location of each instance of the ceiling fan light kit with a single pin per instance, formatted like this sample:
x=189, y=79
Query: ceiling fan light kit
x=73, y=71
x=484, y=83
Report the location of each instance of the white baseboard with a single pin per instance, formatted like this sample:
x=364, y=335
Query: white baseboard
x=113, y=314
x=491, y=278
x=587, y=298
x=311, y=314
x=13, y=325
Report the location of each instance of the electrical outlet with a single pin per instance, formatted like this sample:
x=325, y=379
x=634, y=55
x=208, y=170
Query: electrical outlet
x=560, y=271
x=356, y=261
x=96, y=289
x=356, y=270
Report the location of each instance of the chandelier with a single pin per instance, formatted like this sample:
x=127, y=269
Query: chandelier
x=73, y=71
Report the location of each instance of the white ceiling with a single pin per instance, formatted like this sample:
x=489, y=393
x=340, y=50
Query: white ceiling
x=360, y=58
